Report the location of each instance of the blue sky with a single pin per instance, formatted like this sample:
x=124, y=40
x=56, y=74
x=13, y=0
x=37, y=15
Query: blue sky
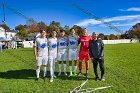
x=121, y=13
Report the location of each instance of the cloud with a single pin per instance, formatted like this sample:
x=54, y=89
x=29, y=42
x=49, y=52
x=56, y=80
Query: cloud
x=131, y=9
x=116, y=21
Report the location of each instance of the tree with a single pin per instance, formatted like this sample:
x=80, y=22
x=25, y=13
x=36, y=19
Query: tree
x=112, y=36
x=78, y=30
x=134, y=32
x=22, y=34
x=5, y=26
x=67, y=29
x=19, y=27
x=42, y=26
x=54, y=26
x=106, y=37
x=101, y=35
x=118, y=36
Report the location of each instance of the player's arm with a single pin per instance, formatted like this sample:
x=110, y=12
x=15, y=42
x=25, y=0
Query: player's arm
x=35, y=50
x=79, y=41
x=67, y=41
x=90, y=49
x=102, y=49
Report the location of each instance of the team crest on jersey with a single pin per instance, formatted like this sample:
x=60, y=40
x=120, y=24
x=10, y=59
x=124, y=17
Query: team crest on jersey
x=43, y=45
x=62, y=43
x=54, y=45
x=72, y=42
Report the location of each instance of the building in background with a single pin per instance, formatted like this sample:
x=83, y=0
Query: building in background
x=10, y=34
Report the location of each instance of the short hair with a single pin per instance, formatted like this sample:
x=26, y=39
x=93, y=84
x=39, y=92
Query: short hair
x=62, y=30
x=71, y=29
x=42, y=31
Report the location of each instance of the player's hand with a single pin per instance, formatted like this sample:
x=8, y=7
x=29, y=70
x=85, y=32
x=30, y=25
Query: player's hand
x=92, y=58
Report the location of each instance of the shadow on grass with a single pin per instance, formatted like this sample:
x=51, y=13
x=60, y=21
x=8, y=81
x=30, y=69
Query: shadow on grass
x=31, y=74
x=18, y=74
x=79, y=78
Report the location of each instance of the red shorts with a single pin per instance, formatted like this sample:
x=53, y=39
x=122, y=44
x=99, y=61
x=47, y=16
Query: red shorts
x=84, y=56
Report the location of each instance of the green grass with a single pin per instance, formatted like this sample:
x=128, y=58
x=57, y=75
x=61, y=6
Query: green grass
x=122, y=63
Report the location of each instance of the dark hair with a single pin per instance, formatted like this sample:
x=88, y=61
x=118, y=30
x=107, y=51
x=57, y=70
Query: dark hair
x=71, y=29
x=42, y=31
x=62, y=30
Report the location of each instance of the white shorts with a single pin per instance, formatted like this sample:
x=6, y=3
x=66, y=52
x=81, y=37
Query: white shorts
x=73, y=54
x=53, y=56
x=62, y=55
x=42, y=60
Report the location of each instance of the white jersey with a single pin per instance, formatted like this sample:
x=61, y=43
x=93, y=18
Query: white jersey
x=62, y=43
x=52, y=44
x=42, y=46
x=73, y=42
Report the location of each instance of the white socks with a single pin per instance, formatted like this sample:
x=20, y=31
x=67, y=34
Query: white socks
x=70, y=69
x=64, y=67
x=45, y=71
x=75, y=68
x=37, y=72
x=59, y=68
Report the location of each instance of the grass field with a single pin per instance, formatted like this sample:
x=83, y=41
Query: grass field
x=122, y=63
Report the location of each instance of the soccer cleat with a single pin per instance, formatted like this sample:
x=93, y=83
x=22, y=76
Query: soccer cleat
x=36, y=79
x=70, y=75
x=65, y=73
x=54, y=76
x=102, y=79
x=87, y=76
x=97, y=79
x=75, y=74
x=51, y=80
x=59, y=73
x=80, y=74
x=45, y=78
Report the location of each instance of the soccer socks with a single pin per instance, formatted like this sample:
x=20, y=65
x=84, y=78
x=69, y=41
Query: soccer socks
x=45, y=71
x=70, y=70
x=59, y=68
x=87, y=66
x=37, y=72
x=75, y=68
x=64, y=67
x=80, y=66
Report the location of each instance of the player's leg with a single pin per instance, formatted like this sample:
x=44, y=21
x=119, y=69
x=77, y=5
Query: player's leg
x=75, y=62
x=70, y=67
x=54, y=60
x=59, y=66
x=95, y=65
x=64, y=58
x=45, y=62
x=87, y=57
x=81, y=58
x=51, y=69
x=75, y=67
x=70, y=61
x=59, y=62
x=65, y=68
x=38, y=64
x=101, y=63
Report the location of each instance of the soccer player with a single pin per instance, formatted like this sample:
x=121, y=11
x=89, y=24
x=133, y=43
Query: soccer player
x=83, y=53
x=62, y=51
x=52, y=44
x=73, y=51
x=96, y=51
x=41, y=53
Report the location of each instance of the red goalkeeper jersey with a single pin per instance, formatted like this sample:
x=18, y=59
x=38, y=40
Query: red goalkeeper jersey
x=84, y=41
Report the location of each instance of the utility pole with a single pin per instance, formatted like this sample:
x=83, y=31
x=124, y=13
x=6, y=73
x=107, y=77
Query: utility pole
x=4, y=18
